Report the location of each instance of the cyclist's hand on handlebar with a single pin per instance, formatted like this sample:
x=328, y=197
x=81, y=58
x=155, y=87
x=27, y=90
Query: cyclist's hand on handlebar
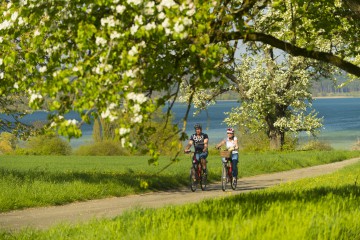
x=187, y=150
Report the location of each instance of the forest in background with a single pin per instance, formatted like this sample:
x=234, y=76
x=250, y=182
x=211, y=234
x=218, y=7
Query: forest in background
x=323, y=88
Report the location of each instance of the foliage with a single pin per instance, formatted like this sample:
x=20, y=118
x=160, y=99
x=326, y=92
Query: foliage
x=316, y=145
x=99, y=57
x=275, y=98
x=356, y=146
x=8, y=142
x=48, y=144
x=102, y=148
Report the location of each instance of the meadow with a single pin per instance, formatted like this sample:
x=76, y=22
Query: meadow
x=34, y=181
x=325, y=207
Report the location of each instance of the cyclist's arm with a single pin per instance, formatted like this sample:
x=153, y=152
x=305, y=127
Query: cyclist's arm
x=206, y=140
x=220, y=144
x=236, y=147
x=188, y=146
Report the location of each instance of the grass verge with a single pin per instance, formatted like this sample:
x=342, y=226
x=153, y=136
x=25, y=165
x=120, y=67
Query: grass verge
x=325, y=207
x=34, y=181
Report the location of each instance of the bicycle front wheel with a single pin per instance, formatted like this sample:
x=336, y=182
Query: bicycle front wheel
x=233, y=183
x=224, y=177
x=203, y=180
x=193, y=182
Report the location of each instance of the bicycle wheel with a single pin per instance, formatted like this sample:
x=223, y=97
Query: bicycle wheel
x=192, y=182
x=224, y=177
x=203, y=179
x=233, y=183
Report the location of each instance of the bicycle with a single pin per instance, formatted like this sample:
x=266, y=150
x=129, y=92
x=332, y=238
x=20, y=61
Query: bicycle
x=226, y=175
x=197, y=174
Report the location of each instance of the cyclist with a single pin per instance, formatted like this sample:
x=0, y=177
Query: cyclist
x=231, y=143
x=200, y=141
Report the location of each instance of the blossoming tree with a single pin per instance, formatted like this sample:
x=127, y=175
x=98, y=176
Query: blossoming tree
x=96, y=57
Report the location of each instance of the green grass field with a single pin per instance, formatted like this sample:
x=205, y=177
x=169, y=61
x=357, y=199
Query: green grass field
x=33, y=181
x=325, y=207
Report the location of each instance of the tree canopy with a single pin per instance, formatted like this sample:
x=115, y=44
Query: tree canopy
x=96, y=57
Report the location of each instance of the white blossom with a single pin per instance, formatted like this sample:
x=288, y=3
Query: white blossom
x=21, y=21
x=161, y=15
x=16, y=85
x=150, y=26
x=5, y=25
x=100, y=41
x=178, y=27
x=110, y=21
x=137, y=118
x=136, y=108
x=120, y=9
x=133, y=51
x=1, y=61
x=138, y=19
x=1, y=75
x=135, y=2
x=166, y=23
x=72, y=122
x=190, y=12
x=42, y=69
x=167, y=3
x=124, y=131
x=137, y=97
x=37, y=32
x=134, y=29
x=34, y=96
x=115, y=35
x=14, y=16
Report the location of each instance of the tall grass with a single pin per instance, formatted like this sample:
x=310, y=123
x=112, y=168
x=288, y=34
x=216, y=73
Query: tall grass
x=325, y=207
x=34, y=181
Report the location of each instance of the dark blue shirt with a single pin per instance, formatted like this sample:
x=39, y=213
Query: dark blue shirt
x=199, y=141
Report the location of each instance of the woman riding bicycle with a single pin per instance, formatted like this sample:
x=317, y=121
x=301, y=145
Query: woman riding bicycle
x=200, y=141
x=231, y=143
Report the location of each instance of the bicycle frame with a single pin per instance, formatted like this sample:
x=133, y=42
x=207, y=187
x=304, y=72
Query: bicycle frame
x=227, y=176
x=200, y=177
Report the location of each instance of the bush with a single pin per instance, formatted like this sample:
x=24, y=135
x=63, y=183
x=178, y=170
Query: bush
x=316, y=145
x=103, y=148
x=49, y=144
x=356, y=146
x=7, y=143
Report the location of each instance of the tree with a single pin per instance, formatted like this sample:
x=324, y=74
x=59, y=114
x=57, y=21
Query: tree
x=97, y=57
x=275, y=97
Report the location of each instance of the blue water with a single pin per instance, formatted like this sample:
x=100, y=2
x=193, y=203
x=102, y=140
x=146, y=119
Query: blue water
x=341, y=121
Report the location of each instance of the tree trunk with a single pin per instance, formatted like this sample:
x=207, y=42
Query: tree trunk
x=277, y=139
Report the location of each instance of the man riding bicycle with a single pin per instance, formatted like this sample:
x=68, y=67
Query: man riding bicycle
x=200, y=141
x=231, y=143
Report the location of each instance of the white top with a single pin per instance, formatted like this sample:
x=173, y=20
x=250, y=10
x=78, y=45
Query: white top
x=230, y=143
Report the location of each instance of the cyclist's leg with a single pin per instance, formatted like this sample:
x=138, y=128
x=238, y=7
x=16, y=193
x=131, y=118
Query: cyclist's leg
x=235, y=160
x=203, y=157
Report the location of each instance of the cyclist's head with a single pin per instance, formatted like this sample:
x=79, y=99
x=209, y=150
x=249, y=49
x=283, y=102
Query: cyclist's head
x=230, y=130
x=197, y=126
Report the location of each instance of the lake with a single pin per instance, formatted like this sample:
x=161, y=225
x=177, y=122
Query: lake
x=341, y=121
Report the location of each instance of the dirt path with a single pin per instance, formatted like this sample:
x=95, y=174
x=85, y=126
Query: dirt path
x=42, y=218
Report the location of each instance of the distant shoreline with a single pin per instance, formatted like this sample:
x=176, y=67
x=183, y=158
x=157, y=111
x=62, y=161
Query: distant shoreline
x=325, y=97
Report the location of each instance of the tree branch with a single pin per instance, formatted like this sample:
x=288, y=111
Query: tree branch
x=292, y=49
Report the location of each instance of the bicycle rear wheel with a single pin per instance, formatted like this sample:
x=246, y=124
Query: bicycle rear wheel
x=224, y=177
x=192, y=182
